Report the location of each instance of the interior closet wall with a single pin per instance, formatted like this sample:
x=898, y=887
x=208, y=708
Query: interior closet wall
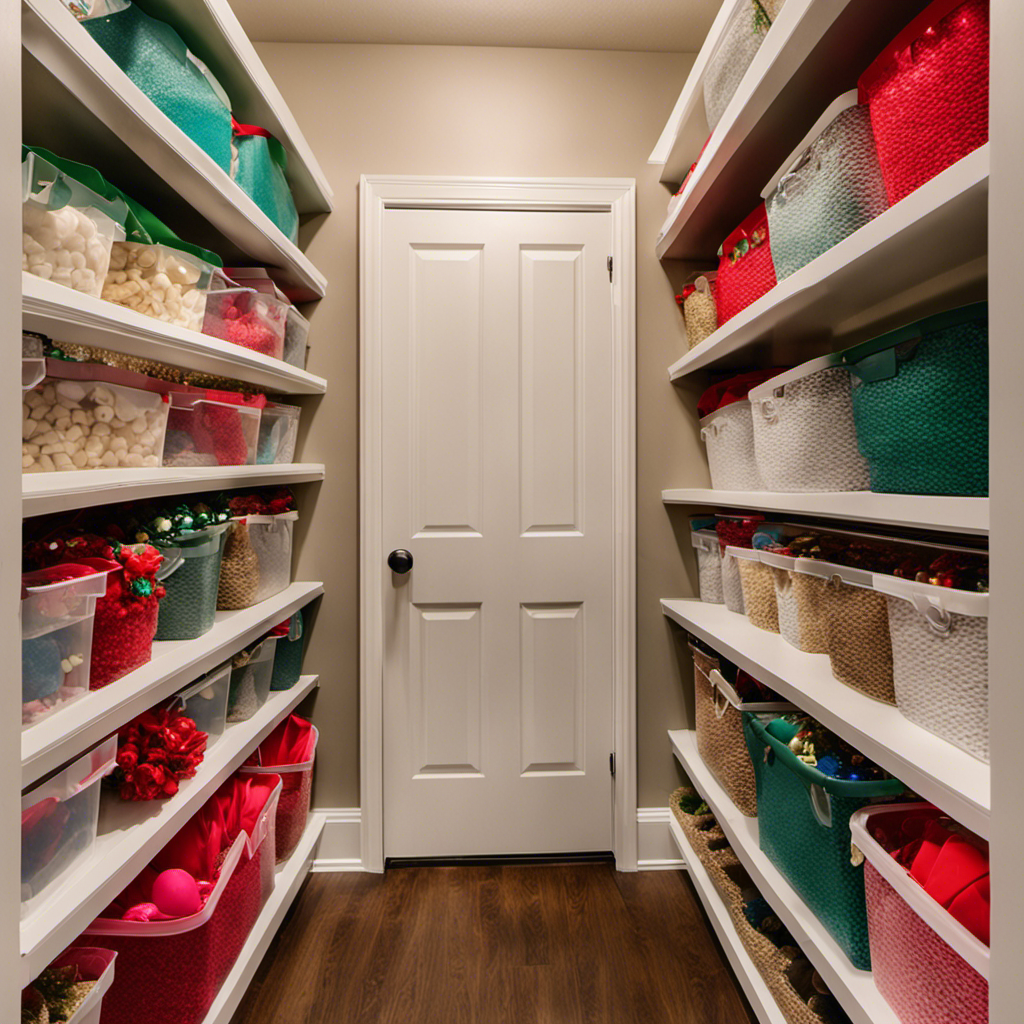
x=378, y=109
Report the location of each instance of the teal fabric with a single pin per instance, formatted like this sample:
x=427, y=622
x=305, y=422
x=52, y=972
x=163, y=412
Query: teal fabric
x=187, y=611
x=260, y=174
x=288, y=656
x=920, y=405
x=156, y=59
x=813, y=857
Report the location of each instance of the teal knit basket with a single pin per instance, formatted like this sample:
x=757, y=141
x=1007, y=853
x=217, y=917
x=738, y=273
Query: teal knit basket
x=804, y=825
x=157, y=60
x=188, y=609
x=288, y=657
x=920, y=405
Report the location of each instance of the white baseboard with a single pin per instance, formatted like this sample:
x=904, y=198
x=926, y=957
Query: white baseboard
x=655, y=849
x=340, y=844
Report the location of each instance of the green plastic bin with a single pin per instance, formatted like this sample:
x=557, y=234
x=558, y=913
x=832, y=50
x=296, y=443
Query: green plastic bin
x=920, y=404
x=804, y=825
x=188, y=609
x=288, y=656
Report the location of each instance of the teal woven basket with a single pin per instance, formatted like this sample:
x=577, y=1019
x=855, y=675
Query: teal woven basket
x=804, y=823
x=920, y=405
x=260, y=171
x=187, y=611
x=288, y=657
x=157, y=60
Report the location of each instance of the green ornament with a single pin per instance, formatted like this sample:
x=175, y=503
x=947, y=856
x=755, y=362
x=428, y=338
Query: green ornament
x=141, y=587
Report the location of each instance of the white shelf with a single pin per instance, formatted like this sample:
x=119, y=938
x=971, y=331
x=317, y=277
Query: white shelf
x=854, y=989
x=67, y=731
x=940, y=229
x=60, y=44
x=947, y=776
x=761, y=1000
x=923, y=512
x=813, y=53
x=53, y=492
x=287, y=882
x=131, y=834
x=69, y=316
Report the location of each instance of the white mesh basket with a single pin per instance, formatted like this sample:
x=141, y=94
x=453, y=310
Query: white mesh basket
x=940, y=659
x=728, y=434
x=735, y=52
x=709, y=565
x=804, y=435
x=732, y=585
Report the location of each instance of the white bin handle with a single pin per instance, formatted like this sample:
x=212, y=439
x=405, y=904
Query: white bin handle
x=940, y=622
x=721, y=685
x=821, y=804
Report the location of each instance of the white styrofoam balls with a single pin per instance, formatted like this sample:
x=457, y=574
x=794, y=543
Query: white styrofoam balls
x=158, y=282
x=69, y=424
x=69, y=246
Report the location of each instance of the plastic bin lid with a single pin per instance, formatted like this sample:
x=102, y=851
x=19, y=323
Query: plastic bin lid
x=876, y=359
x=291, y=411
x=78, y=775
x=89, y=581
x=947, y=927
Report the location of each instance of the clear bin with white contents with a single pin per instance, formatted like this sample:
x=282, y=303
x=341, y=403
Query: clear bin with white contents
x=251, y=673
x=58, y=606
x=246, y=317
x=205, y=432
x=167, y=284
x=296, y=339
x=206, y=702
x=58, y=823
x=67, y=230
x=279, y=430
x=271, y=539
x=89, y=424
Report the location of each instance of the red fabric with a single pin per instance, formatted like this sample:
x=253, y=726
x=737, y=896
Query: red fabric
x=281, y=629
x=292, y=742
x=928, y=94
x=248, y=129
x=737, y=531
x=743, y=279
x=734, y=389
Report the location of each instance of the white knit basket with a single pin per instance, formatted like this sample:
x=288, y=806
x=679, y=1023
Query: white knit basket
x=940, y=659
x=735, y=52
x=709, y=565
x=732, y=585
x=728, y=434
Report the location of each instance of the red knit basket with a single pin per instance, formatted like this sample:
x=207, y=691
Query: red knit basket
x=928, y=94
x=743, y=277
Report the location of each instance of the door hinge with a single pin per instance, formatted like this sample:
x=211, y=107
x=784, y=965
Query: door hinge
x=611, y=762
x=611, y=267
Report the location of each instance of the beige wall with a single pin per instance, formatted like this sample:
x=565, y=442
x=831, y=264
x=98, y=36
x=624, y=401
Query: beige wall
x=482, y=111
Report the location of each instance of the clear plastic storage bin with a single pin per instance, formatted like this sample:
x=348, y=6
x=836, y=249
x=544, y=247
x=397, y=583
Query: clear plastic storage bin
x=88, y=424
x=296, y=338
x=205, y=432
x=96, y=965
x=58, y=823
x=252, y=670
x=271, y=539
x=58, y=607
x=245, y=317
x=206, y=703
x=279, y=430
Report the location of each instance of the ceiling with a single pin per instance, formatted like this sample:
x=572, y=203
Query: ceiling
x=657, y=25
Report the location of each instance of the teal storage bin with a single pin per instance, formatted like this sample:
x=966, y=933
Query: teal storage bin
x=157, y=60
x=804, y=825
x=188, y=609
x=920, y=404
x=259, y=169
x=288, y=656
x=830, y=186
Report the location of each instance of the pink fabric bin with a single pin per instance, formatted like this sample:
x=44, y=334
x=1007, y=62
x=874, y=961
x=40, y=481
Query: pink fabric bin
x=929, y=968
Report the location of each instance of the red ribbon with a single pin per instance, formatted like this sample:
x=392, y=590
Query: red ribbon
x=249, y=129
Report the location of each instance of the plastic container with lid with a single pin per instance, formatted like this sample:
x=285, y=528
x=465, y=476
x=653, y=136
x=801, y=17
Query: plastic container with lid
x=296, y=339
x=206, y=702
x=252, y=670
x=58, y=607
x=203, y=430
x=246, y=317
x=58, y=823
x=279, y=430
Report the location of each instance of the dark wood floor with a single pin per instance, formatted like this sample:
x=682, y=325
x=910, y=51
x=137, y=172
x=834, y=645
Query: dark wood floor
x=559, y=944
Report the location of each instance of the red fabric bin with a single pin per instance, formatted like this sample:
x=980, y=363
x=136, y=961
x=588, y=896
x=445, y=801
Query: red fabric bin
x=745, y=267
x=928, y=94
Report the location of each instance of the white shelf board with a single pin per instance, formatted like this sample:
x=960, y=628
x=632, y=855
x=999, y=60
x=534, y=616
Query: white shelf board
x=287, y=881
x=813, y=53
x=762, y=1002
x=920, y=512
x=940, y=229
x=53, y=492
x=854, y=989
x=67, y=731
x=947, y=776
x=69, y=316
x=60, y=44
x=131, y=834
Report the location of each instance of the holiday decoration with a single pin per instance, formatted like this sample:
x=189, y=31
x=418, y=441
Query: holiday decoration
x=155, y=752
x=55, y=996
x=831, y=755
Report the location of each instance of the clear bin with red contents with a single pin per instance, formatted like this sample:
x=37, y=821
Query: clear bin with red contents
x=246, y=317
x=212, y=429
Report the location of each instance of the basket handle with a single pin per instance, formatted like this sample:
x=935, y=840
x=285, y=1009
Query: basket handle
x=940, y=622
x=721, y=685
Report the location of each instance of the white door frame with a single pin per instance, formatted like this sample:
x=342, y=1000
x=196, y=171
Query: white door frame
x=617, y=196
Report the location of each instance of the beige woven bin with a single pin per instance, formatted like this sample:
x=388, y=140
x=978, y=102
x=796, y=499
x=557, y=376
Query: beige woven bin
x=720, y=741
x=700, y=313
x=699, y=829
x=802, y=613
x=758, y=589
x=239, y=570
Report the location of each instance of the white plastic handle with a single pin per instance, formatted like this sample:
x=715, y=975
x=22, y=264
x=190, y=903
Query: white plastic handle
x=719, y=684
x=821, y=804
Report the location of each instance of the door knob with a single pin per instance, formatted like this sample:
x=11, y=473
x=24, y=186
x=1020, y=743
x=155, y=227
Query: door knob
x=400, y=561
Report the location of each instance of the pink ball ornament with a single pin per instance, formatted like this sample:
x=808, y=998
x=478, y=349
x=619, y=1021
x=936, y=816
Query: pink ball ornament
x=176, y=893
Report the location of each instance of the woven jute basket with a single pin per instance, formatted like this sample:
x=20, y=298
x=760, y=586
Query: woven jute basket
x=858, y=641
x=239, y=571
x=700, y=829
x=812, y=611
x=759, y=594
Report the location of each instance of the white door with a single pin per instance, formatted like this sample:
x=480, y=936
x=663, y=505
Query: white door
x=497, y=477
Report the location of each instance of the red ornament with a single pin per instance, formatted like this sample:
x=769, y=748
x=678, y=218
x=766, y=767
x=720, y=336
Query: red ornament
x=155, y=752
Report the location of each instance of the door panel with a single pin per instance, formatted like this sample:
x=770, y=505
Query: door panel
x=496, y=430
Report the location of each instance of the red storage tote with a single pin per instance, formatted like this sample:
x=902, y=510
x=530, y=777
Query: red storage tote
x=289, y=751
x=928, y=94
x=928, y=913
x=745, y=267
x=170, y=971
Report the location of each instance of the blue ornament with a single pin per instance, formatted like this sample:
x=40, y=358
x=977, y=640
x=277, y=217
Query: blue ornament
x=828, y=764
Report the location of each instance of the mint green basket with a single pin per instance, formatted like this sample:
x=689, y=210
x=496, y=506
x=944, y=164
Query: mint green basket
x=804, y=825
x=156, y=59
x=288, y=656
x=920, y=404
x=260, y=172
